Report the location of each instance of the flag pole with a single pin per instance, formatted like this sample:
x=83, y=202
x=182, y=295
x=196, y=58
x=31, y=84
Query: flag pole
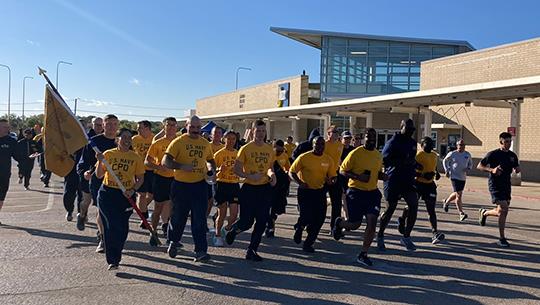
x=154, y=240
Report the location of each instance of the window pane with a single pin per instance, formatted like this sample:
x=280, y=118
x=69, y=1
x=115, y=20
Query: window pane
x=358, y=47
x=443, y=51
x=420, y=50
x=333, y=41
x=378, y=48
x=400, y=49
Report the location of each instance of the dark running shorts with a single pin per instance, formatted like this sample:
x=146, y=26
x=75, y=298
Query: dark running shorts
x=146, y=187
x=161, y=188
x=227, y=192
x=458, y=185
x=361, y=203
x=4, y=185
x=427, y=191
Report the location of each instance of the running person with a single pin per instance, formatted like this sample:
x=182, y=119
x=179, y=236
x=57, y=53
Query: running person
x=333, y=148
x=363, y=168
x=217, y=134
x=456, y=165
x=254, y=162
x=8, y=150
x=227, y=187
x=289, y=147
x=163, y=177
x=426, y=187
x=312, y=170
x=399, y=159
x=141, y=143
x=27, y=148
x=189, y=156
x=500, y=163
x=281, y=168
x=346, y=138
x=114, y=207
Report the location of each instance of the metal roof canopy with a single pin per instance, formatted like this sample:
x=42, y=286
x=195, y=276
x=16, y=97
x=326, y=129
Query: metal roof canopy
x=313, y=38
x=489, y=93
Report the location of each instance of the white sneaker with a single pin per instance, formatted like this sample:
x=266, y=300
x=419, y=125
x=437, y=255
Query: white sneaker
x=100, y=247
x=218, y=241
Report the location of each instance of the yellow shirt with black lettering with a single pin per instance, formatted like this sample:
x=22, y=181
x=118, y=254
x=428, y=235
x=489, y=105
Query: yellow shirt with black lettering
x=126, y=165
x=225, y=160
x=429, y=164
x=216, y=147
x=313, y=169
x=289, y=148
x=334, y=150
x=157, y=151
x=283, y=161
x=256, y=159
x=186, y=150
x=141, y=145
x=360, y=160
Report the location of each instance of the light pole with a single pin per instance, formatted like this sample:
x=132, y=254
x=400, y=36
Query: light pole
x=238, y=70
x=58, y=65
x=9, y=93
x=23, y=92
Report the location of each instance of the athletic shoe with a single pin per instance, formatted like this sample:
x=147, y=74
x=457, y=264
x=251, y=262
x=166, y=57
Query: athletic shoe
x=113, y=267
x=69, y=216
x=298, y=234
x=80, y=222
x=363, y=259
x=445, y=206
x=229, y=236
x=46, y=185
x=380, y=243
x=482, y=217
x=99, y=237
x=503, y=243
x=218, y=241
x=337, y=231
x=401, y=225
x=253, y=256
x=172, y=250
x=437, y=238
x=26, y=188
x=308, y=249
x=165, y=228
x=269, y=233
x=100, y=247
x=201, y=257
x=463, y=216
x=407, y=243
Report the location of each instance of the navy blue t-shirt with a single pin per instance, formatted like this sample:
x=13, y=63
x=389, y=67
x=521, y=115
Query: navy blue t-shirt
x=399, y=159
x=500, y=186
x=8, y=150
x=88, y=157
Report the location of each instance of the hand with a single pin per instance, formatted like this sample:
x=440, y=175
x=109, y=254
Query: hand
x=129, y=193
x=100, y=156
x=87, y=175
x=497, y=171
x=273, y=180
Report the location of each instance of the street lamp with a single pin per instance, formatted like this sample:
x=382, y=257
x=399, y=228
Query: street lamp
x=238, y=70
x=58, y=65
x=23, y=92
x=9, y=93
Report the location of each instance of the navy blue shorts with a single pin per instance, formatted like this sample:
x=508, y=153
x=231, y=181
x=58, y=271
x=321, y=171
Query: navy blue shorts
x=361, y=203
x=84, y=185
x=458, y=185
x=4, y=185
x=427, y=191
x=161, y=188
x=393, y=192
x=227, y=193
x=95, y=184
x=146, y=187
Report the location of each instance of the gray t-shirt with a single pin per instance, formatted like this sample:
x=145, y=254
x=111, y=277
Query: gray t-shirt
x=458, y=164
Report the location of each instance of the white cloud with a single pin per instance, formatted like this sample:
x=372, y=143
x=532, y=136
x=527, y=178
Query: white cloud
x=135, y=82
x=95, y=103
x=33, y=43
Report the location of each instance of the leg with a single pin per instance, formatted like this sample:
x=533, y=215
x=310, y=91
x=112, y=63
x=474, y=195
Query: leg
x=335, y=192
x=247, y=212
x=369, y=234
x=262, y=213
x=180, y=211
x=317, y=217
x=198, y=202
x=451, y=198
x=158, y=209
x=430, y=206
x=4, y=187
x=459, y=201
x=386, y=216
x=411, y=198
x=233, y=214
x=71, y=183
x=222, y=214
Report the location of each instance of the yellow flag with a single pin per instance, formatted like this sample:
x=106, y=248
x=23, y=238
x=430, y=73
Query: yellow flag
x=63, y=134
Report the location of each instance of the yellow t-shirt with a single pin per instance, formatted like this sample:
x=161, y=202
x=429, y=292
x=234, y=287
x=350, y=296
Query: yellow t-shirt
x=216, y=147
x=225, y=159
x=283, y=161
x=196, y=152
x=358, y=161
x=141, y=145
x=289, y=148
x=256, y=159
x=313, y=169
x=429, y=163
x=126, y=165
x=157, y=151
x=334, y=150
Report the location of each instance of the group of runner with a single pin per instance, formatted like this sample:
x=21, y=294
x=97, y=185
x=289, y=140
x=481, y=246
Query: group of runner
x=186, y=175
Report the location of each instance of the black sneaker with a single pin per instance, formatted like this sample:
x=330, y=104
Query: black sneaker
x=437, y=238
x=201, y=257
x=80, y=222
x=230, y=236
x=298, y=234
x=401, y=225
x=363, y=259
x=446, y=205
x=172, y=250
x=482, y=217
x=463, y=216
x=503, y=243
x=69, y=216
x=165, y=228
x=337, y=231
x=308, y=249
x=269, y=233
x=253, y=256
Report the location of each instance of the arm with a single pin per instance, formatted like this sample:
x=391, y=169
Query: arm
x=239, y=171
x=301, y=184
x=485, y=168
x=100, y=167
x=149, y=161
x=350, y=175
x=168, y=161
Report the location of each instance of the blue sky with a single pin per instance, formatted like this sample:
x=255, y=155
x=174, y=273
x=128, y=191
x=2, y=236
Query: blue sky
x=155, y=58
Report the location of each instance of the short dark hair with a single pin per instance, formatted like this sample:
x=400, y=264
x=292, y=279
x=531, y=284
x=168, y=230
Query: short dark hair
x=505, y=135
x=170, y=118
x=145, y=123
x=122, y=130
x=110, y=116
x=426, y=139
x=280, y=143
x=289, y=137
x=369, y=129
x=259, y=123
